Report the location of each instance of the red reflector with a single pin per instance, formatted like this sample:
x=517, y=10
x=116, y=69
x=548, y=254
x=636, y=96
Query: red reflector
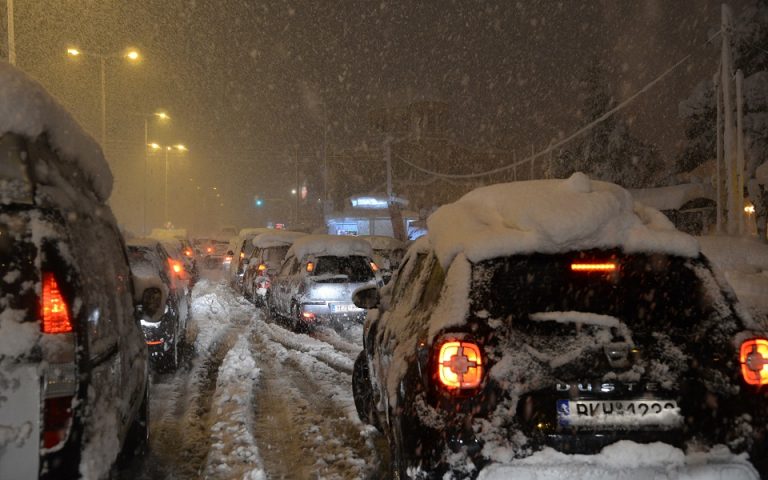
x=753, y=356
x=593, y=267
x=57, y=420
x=154, y=342
x=460, y=365
x=54, y=310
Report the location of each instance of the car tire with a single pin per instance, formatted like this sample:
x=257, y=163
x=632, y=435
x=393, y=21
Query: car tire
x=362, y=392
x=298, y=324
x=137, y=440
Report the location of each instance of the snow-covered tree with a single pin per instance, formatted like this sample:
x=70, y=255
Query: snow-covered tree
x=608, y=151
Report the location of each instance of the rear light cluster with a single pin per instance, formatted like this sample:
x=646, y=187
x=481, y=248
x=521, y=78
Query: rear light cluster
x=209, y=250
x=176, y=266
x=460, y=365
x=188, y=252
x=310, y=267
x=374, y=267
x=308, y=316
x=753, y=357
x=54, y=310
x=262, y=267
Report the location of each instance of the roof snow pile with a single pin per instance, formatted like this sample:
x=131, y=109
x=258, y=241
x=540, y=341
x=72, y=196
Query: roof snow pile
x=329, y=245
x=380, y=242
x=551, y=216
x=276, y=238
x=27, y=109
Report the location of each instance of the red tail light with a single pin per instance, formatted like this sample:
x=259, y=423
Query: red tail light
x=54, y=310
x=460, y=365
x=57, y=420
x=374, y=267
x=308, y=316
x=753, y=356
x=209, y=250
x=188, y=252
x=176, y=267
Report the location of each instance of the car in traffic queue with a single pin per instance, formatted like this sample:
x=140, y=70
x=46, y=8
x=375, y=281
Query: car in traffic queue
x=161, y=300
x=387, y=254
x=317, y=278
x=268, y=252
x=560, y=314
x=214, y=254
x=241, y=248
x=74, y=383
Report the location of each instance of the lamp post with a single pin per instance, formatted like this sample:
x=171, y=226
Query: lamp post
x=161, y=116
x=168, y=148
x=131, y=54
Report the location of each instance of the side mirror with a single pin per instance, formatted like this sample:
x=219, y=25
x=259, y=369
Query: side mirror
x=366, y=297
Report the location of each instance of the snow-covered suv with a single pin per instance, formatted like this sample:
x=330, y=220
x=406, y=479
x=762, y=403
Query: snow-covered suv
x=317, y=279
x=73, y=363
x=559, y=314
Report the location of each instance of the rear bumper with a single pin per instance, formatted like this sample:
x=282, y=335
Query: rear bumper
x=324, y=313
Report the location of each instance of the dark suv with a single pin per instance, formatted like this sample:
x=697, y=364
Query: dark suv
x=73, y=363
x=573, y=349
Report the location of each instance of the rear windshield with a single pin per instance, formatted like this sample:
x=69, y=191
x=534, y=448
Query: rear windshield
x=355, y=269
x=647, y=293
x=274, y=256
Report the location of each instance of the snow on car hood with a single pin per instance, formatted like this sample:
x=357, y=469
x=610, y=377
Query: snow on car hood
x=276, y=238
x=27, y=109
x=551, y=216
x=331, y=245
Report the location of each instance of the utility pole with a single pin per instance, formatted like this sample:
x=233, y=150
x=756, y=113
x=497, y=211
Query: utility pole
x=719, y=174
x=728, y=134
x=11, y=35
x=740, y=164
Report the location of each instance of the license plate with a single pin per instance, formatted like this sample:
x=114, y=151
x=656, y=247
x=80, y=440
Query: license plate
x=343, y=307
x=617, y=414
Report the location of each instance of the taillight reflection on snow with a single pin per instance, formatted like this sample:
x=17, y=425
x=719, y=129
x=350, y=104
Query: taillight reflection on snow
x=54, y=310
x=460, y=365
x=753, y=356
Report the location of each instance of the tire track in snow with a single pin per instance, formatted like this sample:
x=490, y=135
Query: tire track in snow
x=316, y=346
x=305, y=413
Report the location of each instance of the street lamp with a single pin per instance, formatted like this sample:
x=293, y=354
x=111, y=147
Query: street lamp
x=163, y=117
x=130, y=54
x=168, y=148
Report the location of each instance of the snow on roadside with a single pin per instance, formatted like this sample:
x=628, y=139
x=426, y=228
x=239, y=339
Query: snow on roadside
x=626, y=460
x=234, y=453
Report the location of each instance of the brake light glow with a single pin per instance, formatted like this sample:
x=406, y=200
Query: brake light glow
x=262, y=267
x=310, y=267
x=374, y=267
x=188, y=252
x=177, y=268
x=753, y=356
x=460, y=365
x=57, y=418
x=54, y=310
x=308, y=316
x=209, y=250
x=155, y=342
x=593, y=267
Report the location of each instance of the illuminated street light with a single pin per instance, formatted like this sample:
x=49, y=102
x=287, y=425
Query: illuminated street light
x=168, y=148
x=293, y=191
x=132, y=55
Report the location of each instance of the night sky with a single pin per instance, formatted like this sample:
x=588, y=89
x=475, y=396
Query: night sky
x=247, y=82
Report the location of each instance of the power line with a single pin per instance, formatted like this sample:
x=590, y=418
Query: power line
x=567, y=139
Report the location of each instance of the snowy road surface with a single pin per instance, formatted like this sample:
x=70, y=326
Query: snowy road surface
x=254, y=400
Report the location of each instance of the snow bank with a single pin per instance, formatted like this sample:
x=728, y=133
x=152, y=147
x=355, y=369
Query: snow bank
x=626, y=460
x=276, y=238
x=330, y=245
x=28, y=110
x=551, y=216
